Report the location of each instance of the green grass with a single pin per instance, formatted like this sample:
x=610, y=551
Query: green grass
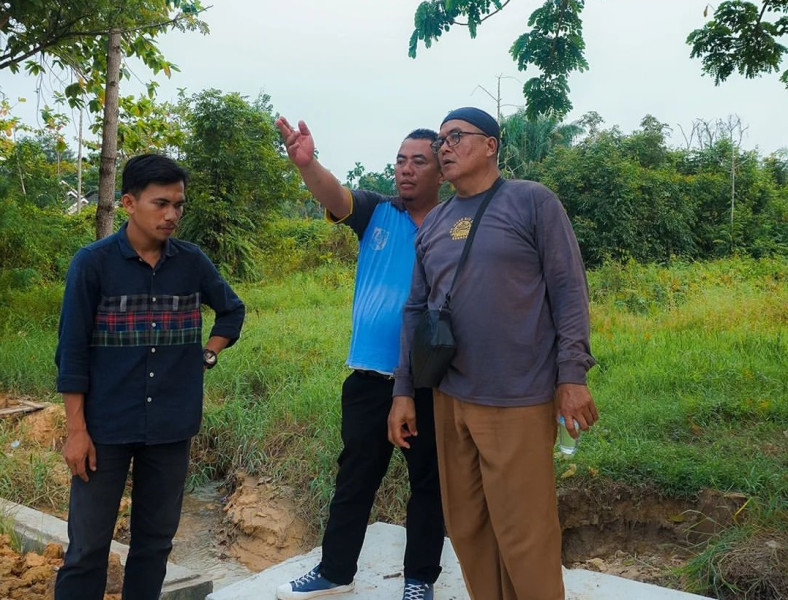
x=7, y=528
x=691, y=384
x=694, y=393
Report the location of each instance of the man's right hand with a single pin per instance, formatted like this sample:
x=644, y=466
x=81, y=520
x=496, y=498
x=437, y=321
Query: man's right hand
x=80, y=453
x=402, y=421
x=299, y=142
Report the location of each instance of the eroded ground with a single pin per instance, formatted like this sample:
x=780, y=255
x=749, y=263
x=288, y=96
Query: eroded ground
x=608, y=527
x=31, y=576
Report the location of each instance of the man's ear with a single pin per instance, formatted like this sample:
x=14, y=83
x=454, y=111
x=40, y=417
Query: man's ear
x=492, y=146
x=127, y=201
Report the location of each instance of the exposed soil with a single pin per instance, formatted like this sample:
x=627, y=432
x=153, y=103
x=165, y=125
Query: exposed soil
x=607, y=527
x=262, y=527
x=32, y=576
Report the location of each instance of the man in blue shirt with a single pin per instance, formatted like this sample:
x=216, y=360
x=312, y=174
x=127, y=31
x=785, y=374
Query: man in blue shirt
x=130, y=368
x=386, y=227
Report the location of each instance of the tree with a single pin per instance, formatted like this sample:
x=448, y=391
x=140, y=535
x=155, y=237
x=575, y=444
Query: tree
x=619, y=208
x=71, y=34
x=554, y=45
x=528, y=141
x=90, y=39
x=648, y=144
x=239, y=174
x=737, y=38
x=383, y=183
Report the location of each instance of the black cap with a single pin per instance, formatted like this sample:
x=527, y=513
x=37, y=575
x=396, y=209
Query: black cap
x=477, y=118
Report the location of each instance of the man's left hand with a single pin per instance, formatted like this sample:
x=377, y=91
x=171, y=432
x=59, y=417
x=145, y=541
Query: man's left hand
x=402, y=421
x=573, y=401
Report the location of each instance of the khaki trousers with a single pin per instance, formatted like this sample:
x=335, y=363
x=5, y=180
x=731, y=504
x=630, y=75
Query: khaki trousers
x=499, y=499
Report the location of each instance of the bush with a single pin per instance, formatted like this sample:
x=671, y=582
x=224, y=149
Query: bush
x=37, y=244
x=291, y=245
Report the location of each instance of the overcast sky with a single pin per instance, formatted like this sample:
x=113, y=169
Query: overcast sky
x=342, y=66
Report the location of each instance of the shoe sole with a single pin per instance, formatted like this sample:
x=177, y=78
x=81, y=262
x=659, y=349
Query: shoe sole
x=291, y=595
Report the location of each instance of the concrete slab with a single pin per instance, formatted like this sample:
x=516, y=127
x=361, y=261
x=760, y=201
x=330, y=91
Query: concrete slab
x=380, y=576
x=37, y=529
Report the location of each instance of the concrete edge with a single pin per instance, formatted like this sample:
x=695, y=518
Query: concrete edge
x=36, y=529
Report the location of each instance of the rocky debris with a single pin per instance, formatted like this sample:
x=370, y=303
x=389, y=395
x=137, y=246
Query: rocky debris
x=31, y=576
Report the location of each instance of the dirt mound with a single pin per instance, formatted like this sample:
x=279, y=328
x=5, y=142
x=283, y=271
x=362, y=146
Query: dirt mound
x=45, y=427
x=263, y=527
x=32, y=576
x=39, y=424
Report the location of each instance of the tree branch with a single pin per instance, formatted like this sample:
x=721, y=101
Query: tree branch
x=7, y=60
x=495, y=12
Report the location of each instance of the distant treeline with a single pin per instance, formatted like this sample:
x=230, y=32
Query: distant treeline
x=629, y=196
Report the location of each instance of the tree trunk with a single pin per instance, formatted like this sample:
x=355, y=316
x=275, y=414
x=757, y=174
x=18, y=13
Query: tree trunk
x=109, y=140
x=79, y=166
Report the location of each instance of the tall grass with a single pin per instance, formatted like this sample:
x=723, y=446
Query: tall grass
x=691, y=382
x=7, y=528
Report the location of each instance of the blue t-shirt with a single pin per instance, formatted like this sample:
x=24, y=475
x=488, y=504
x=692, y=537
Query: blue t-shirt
x=386, y=255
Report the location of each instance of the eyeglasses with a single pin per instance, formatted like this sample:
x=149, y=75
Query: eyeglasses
x=452, y=139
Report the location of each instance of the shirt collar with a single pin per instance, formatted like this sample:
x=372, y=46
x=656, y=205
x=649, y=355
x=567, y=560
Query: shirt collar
x=128, y=252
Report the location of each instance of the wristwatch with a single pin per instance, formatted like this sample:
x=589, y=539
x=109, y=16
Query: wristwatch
x=209, y=358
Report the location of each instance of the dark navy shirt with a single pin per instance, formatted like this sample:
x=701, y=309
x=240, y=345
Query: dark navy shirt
x=130, y=338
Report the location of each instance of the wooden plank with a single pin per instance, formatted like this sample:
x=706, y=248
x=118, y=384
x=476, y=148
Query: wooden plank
x=17, y=407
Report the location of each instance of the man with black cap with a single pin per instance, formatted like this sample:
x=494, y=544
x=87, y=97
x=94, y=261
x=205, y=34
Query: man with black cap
x=519, y=313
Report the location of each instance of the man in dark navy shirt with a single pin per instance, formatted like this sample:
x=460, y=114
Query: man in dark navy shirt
x=130, y=368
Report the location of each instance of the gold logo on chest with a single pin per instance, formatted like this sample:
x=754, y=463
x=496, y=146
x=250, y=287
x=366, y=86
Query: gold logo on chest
x=459, y=231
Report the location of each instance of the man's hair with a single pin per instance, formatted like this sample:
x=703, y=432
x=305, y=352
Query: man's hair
x=422, y=134
x=140, y=171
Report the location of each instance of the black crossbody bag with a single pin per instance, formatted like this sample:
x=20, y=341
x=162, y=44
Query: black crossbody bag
x=433, y=346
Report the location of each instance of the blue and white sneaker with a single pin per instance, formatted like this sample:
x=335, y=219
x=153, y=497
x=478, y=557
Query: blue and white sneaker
x=417, y=590
x=312, y=585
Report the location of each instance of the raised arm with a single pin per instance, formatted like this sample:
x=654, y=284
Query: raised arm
x=300, y=145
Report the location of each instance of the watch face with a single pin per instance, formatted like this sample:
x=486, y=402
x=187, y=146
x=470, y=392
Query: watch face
x=209, y=357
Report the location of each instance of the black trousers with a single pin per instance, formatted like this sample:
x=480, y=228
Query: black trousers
x=366, y=401
x=158, y=475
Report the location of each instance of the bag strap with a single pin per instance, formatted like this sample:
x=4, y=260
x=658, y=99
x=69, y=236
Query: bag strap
x=471, y=234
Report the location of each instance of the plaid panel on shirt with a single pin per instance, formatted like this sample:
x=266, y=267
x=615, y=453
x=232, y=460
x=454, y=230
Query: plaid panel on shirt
x=129, y=320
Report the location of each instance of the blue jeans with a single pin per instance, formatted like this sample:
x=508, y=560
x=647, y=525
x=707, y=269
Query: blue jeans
x=158, y=473
x=365, y=457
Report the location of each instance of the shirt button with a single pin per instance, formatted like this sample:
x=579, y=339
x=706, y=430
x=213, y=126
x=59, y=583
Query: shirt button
x=151, y=374
x=150, y=399
x=153, y=299
x=153, y=350
x=153, y=325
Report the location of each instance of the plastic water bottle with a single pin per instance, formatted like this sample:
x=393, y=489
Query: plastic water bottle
x=566, y=443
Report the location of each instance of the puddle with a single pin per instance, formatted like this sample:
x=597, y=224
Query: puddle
x=200, y=543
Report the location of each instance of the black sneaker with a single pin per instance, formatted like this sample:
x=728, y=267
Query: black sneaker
x=417, y=590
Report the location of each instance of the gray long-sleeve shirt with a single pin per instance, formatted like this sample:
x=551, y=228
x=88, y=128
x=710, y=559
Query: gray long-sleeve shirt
x=519, y=310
